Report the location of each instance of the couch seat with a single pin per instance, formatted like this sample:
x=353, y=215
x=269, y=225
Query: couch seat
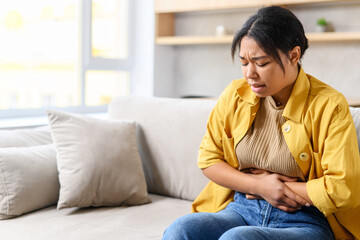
x=144, y=222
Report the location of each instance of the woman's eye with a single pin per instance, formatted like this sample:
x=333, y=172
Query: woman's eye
x=244, y=64
x=262, y=65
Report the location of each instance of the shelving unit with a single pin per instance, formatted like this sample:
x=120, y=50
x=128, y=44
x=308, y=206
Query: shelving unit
x=166, y=16
x=173, y=6
x=313, y=37
x=166, y=10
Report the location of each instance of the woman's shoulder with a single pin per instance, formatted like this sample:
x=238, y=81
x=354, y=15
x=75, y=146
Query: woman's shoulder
x=323, y=95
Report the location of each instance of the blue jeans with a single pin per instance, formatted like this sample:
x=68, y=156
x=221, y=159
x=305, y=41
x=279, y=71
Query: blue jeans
x=251, y=219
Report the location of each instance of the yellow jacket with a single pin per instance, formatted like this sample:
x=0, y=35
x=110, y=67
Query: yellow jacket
x=320, y=134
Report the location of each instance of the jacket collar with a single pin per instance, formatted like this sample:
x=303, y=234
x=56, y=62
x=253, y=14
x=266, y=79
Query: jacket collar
x=246, y=94
x=296, y=103
x=295, y=106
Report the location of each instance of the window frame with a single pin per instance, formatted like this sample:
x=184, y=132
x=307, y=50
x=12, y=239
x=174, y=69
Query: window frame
x=87, y=63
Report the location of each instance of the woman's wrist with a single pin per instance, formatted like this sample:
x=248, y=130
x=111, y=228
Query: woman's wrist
x=300, y=189
x=256, y=186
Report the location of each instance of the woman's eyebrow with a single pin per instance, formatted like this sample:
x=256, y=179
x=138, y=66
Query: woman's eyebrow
x=254, y=58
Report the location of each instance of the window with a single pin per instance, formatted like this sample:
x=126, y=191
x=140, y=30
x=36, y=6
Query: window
x=70, y=54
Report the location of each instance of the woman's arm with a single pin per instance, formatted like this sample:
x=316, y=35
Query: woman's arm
x=300, y=189
x=270, y=187
x=297, y=187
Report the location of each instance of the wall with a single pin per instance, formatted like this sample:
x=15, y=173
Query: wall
x=205, y=70
x=142, y=72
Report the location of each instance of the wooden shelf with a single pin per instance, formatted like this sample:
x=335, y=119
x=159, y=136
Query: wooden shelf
x=333, y=36
x=188, y=40
x=174, y=6
x=313, y=37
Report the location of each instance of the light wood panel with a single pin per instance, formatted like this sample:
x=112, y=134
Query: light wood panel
x=313, y=37
x=165, y=24
x=334, y=37
x=188, y=40
x=162, y=6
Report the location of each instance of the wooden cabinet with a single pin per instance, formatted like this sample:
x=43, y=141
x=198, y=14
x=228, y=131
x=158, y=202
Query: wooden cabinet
x=166, y=10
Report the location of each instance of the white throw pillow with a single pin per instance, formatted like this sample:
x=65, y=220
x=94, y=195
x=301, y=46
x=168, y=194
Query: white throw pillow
x=98, y=161
x=25, y=137
x=28, y=179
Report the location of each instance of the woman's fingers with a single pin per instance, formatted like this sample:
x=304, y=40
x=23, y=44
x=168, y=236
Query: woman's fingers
x=273, y=189
x=290, y=201
x=252, y=197
x=287, y=209
x=296, y=198
x=279, y=195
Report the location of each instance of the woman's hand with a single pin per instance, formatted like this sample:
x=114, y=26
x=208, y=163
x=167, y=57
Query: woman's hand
x=273, y=189
x=270, y=186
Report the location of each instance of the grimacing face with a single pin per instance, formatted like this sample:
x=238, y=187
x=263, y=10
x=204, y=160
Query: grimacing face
x=264, y=75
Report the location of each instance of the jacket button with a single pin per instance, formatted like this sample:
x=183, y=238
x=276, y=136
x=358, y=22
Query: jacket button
x=304, y=156
x=287, y=128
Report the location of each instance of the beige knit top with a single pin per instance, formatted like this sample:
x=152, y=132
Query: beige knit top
x=264, y=146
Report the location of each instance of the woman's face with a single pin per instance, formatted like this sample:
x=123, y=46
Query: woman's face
x=264, y=74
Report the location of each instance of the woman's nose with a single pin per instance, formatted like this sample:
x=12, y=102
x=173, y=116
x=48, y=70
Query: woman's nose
x=251, y=71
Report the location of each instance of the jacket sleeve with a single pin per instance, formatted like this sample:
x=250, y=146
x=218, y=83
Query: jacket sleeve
x=338, y=187
x=211, y=147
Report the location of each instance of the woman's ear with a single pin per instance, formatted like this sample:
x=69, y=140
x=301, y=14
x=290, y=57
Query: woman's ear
x=295, y=54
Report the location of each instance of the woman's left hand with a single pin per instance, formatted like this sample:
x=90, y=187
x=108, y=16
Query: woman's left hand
x=298, y=187
x=260, y=173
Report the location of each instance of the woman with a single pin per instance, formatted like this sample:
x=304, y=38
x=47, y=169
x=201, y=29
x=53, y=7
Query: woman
x=280, y=148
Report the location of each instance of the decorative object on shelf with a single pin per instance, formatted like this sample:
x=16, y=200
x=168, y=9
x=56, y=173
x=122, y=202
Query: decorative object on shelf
x=220, y=30
x=322, y=25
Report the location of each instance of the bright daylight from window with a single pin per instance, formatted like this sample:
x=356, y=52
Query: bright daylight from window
x=48, y=60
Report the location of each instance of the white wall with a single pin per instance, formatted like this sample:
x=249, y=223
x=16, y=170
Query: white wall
x=165, y=68
x=142, y=73
x=206, y=69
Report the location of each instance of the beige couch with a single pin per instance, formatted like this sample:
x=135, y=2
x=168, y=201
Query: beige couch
x=169, y=132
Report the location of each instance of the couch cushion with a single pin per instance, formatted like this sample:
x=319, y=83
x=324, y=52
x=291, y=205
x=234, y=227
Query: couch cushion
x=169, y=135
x=25, y=137
x=111, y=223
x=28, y=179
x=98, y=161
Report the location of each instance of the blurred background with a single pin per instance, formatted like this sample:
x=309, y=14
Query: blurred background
x=78, y=55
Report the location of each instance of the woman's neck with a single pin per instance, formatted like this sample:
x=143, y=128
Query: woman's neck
x=283, y=96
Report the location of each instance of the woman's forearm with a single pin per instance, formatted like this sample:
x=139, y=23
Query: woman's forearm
x=300, y=189
x=269, y=186
x=225, y=175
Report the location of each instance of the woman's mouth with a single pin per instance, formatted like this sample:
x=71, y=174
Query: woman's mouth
x=257, y=88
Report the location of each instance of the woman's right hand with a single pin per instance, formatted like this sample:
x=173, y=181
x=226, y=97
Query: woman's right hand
x=272, y=188
x=267, y=185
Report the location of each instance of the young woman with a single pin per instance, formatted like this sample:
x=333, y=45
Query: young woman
x=280, y=148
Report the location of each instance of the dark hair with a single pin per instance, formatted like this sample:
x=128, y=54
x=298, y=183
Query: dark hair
x=273, y=28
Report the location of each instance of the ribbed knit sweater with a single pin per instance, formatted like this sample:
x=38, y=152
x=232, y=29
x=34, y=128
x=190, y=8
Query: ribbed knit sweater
x=264, y=146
